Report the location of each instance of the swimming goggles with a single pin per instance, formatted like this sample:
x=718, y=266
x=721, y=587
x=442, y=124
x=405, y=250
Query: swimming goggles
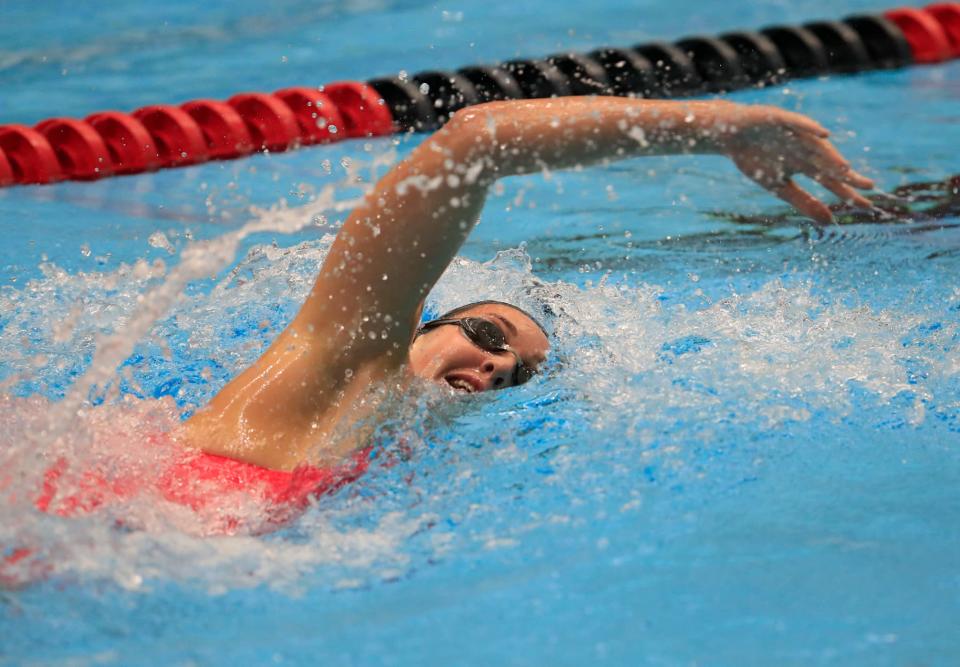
x=487, y=336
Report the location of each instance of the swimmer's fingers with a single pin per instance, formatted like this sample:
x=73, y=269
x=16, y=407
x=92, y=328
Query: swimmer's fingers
x=828, y=167
x=778, y=182
x=845, y=192
x=801, y=200
x=859, y=180
x=824, y=161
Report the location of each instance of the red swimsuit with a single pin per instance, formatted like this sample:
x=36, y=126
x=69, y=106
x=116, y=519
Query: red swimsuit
x=208, y=484
x=200, y=481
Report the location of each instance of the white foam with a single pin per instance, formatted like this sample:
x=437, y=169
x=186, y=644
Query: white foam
x=776, y=354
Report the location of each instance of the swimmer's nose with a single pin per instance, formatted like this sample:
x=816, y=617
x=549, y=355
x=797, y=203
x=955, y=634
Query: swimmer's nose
x=499, y=370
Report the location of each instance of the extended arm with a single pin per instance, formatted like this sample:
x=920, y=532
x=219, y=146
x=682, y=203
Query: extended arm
x=357, y=323
x=394, y=247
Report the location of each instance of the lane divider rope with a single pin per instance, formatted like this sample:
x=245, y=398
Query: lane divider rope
x=163, y=136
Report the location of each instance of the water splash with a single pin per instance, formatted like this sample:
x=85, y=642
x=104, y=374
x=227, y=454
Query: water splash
x=647, y=375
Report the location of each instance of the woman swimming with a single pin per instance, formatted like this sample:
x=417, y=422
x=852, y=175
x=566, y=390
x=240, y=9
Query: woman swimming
x=359, y=324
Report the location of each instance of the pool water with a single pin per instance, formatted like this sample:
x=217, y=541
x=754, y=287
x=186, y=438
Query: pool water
x=745, y=449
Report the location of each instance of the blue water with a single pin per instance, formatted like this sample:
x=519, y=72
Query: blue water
x=745, y=450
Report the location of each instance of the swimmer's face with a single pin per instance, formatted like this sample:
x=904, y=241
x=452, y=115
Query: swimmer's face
x=446, y=354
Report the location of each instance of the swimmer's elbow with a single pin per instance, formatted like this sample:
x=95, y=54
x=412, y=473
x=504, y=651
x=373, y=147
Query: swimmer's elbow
x=468, y=128
x=469, y=140
x=495, y=139
x=485, y=110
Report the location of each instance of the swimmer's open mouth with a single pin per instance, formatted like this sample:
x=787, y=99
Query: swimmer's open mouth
x=464, y=383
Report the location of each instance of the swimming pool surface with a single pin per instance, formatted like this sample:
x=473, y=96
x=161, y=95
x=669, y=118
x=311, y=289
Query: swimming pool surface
x=745, y=451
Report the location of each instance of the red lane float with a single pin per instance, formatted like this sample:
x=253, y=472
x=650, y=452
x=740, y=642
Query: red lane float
x=81, y=151
x=171, y=136
x=320, y=121
x=926, y=36
x=6, y=171
x=176, y=136
x=948, y=15
x=272, y=124
x=31, y=157
x=223, y=129
x=363, y=110
x=128, y=142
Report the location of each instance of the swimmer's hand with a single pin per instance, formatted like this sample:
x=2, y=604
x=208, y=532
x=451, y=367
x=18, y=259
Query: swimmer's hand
x=771, y=146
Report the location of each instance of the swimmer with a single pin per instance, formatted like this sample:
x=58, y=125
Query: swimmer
x=359, y=324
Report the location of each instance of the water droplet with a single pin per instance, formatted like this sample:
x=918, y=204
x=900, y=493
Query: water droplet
x=159, y=240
